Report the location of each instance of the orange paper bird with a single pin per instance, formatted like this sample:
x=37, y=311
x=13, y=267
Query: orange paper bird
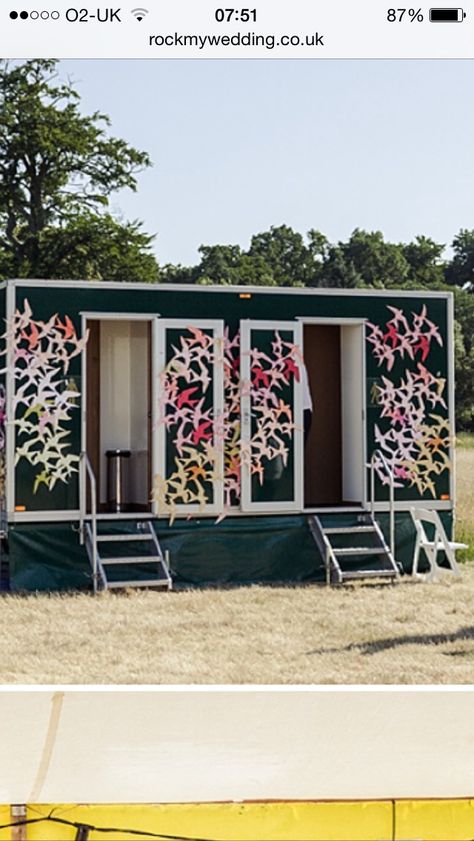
x=67, y=328
x=33, y=337
x=284, y=409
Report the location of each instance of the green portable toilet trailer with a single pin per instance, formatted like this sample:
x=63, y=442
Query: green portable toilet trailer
x=142, y=423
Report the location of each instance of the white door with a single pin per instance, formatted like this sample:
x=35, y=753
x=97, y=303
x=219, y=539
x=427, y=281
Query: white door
x=188, y=395
x=271, y=416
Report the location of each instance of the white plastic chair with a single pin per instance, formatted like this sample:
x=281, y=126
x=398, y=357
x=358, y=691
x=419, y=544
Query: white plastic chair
x=440, y=543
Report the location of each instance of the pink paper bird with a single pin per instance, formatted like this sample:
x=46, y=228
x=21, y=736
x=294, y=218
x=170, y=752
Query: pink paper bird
x=260, y=376
x=200, y=433
x=392, y=335
x=200, y=338
x=419, y=318
x=422, y=345
x=398, y=318
x=183, y=398
x=291, y=370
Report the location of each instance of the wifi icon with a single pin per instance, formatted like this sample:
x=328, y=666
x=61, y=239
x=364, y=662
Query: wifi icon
x=139, y=14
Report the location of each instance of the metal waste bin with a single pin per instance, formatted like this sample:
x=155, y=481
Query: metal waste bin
x=117, y=479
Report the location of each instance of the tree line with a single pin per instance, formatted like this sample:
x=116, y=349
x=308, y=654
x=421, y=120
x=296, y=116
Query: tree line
x=59, y=168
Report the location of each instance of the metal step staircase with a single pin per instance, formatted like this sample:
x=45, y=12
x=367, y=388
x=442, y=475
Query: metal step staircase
x=129, y=564
x=353, y=551
x=354, y=547
x=130, y=554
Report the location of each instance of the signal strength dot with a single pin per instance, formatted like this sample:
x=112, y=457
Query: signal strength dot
x=139, y=14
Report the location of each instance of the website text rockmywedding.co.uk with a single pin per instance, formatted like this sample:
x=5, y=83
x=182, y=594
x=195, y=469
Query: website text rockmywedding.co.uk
x=238, y=39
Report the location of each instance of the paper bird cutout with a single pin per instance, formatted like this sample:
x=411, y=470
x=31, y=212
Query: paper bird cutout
x=416, y=442
x=43, y=401
x=399, y=338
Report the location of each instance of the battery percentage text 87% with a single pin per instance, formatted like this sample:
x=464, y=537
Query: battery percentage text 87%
x=410, y=15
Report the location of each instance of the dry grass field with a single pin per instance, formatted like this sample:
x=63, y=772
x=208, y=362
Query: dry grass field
x=408, y=633
x=412, y=632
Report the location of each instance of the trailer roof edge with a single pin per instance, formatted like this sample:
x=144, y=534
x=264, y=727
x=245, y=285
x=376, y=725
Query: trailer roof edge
x=192, y=287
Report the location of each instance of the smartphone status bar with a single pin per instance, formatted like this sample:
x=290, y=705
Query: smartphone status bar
x=265, y=29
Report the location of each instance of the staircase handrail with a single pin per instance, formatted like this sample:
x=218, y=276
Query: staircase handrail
x=378, y=455
x=86, y=472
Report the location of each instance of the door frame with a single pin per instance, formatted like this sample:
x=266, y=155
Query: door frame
x=118, y=316
x=348, y=322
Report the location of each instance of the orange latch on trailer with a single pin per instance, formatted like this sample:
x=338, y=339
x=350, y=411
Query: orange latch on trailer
x=20, y=507
x=445, y=496
x=245, y=295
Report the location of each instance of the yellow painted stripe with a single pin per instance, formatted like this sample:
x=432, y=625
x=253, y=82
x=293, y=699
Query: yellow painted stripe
x=435, y=820
x=5, y=834
x=236, y=821
x=427, y=820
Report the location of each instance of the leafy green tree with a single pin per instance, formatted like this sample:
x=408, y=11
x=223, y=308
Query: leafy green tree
x=170, y=273
x=426, y=266
x=318, y=245
x=338, y=272
x=229, y=265
x=219, y=264
x=379, y=264
x=94, y=247
x=290, y=260
x=57, y=171
x=464, y=358
x=460, y=271
x=278, y=257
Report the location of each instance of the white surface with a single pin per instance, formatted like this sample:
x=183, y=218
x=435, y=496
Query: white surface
x=353, y=383
x=307, y=400
x=195, y=746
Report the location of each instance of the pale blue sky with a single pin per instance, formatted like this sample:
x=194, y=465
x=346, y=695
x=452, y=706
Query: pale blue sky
x=239, y=146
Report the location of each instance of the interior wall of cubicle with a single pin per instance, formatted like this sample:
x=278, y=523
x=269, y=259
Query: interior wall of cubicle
x=118, y=405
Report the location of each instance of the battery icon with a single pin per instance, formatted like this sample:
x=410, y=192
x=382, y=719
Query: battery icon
x=447, y=15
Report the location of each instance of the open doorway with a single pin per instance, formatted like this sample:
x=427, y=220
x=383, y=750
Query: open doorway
x=334, y=452
x=119, y=405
